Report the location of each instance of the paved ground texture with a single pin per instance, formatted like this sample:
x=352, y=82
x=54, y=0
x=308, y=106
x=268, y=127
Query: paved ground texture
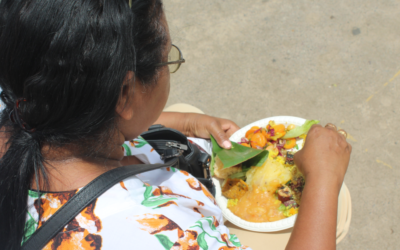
x=336, y=61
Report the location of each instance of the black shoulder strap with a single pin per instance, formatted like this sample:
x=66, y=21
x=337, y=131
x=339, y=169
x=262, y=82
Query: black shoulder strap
x=82, y=199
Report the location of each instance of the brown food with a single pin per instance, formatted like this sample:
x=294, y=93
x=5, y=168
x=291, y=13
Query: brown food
x=234, y=188
x=284, y=194
x=289, y=158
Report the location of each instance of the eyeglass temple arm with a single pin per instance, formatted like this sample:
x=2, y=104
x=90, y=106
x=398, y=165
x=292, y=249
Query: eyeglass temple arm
x=174, y=62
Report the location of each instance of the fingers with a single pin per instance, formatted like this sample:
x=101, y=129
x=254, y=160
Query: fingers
x=334, y=128
x=216, y=130
x=331, y=126
x=342, y=132
x=229, y=127
x=349, y=148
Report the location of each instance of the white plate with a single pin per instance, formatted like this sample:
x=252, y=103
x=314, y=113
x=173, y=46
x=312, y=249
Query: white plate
x=222, y=201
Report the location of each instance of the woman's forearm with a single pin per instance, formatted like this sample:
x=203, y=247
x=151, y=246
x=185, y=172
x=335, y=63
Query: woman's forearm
x=315, y=227
x=173, y=120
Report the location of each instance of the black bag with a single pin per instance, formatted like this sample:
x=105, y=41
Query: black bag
x=170, y=143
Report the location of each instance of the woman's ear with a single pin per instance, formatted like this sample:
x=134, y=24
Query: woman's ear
x=124, y=107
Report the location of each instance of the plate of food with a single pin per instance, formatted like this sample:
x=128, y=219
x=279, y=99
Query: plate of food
x=262, y=192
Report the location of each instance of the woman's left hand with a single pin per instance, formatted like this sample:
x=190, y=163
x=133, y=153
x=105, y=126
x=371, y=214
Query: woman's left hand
x=202, y=126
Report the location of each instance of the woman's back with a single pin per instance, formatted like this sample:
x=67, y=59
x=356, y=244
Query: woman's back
x=160, y=209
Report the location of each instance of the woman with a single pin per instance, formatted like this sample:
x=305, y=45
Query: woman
x=79, y=78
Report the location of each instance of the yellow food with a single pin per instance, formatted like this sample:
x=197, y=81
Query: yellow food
x=290, y=127
x=273, y=153
x=260, y=203
x=258, y=206
x=270, y=175
x=275, y=188
x=232, y=202
x=293, y=211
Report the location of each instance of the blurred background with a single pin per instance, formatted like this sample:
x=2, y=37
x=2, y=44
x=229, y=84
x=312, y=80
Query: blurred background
x=335, y=61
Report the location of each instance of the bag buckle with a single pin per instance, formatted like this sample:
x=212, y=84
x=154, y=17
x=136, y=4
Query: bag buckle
x=171, y=153
x=176, y=145
x=204, y=161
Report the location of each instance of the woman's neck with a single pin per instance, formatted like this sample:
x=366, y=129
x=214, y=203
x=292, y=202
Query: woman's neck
x=71, y=174
x=67, y=172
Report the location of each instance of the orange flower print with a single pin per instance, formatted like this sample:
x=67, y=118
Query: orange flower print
x=50, y=203
x=208, y=194
x=123, y=185
x=194, y=184
x=168, y=203
x=187, y=242
x=184, y=172
x=225, y=238
x=166, y=191
x=157, y=192
x=229, y=248
x=156, y=223
x=197, y=211
x=137, y=143
x=200, y=203
x=229, y=244
x=79, y=232
x=74, y=237
x=216, y=223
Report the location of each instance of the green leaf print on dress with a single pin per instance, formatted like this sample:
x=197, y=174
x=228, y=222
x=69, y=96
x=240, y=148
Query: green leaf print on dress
x=30, y=227
x=165, y=241
x=127, y=149
x=150, y=200
x=202, y=241
x=235, y=241
x=209, y=220
x=33, y=194
x=138, y=142
x=211, y=231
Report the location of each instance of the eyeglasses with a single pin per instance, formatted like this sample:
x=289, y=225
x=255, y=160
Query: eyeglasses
x=175, y=59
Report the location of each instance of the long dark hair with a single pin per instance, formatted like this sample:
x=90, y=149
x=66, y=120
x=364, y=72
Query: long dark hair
x=64, y=62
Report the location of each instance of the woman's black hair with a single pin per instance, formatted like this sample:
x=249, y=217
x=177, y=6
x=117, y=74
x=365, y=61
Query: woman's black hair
x=65, y=60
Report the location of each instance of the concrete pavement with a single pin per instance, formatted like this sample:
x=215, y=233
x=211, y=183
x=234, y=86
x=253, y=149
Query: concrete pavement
x=336, y=61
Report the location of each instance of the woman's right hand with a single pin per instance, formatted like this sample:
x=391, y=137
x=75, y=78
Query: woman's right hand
x=326, y=153
x=323, y=161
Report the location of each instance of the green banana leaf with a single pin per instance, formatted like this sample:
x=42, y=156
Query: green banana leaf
x=238, y=175
x=256, y=161
x=237, y=154
x=297, y=131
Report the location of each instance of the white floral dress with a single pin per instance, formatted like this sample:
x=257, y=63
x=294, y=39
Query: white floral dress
x=161, y=209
